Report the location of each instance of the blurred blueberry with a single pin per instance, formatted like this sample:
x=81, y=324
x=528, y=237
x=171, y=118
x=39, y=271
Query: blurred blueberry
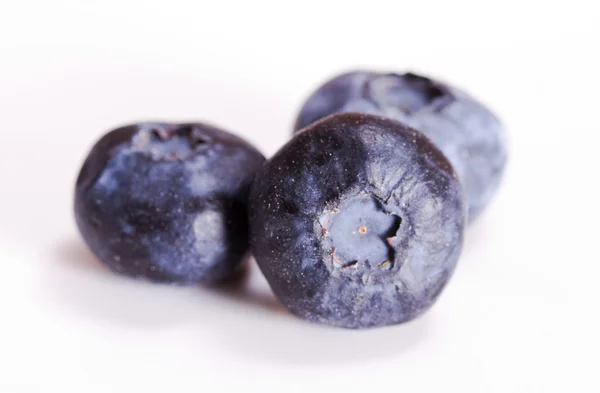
x=167, y=202
x=467, y=132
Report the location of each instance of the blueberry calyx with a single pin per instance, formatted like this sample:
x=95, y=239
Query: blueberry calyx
x=167, y=142
x=360, y=230
x=409, y=93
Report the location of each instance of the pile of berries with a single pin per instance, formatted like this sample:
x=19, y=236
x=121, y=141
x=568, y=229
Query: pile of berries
x=358, y=221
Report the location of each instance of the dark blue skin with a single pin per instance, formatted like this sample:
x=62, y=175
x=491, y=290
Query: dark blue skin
x=167, y=202
x=468, y=134
x=357, y=222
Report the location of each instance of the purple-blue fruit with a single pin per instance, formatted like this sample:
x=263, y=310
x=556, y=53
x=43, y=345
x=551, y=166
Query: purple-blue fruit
x=357, y=222
x=467, y=132
x=167, y=202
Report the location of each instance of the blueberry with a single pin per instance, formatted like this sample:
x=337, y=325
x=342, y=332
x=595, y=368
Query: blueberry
x=167, y=202
x=468, y=134
x=357, y=222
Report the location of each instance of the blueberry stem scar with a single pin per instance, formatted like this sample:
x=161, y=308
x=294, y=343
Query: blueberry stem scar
x=360, y=230
x=164, y=142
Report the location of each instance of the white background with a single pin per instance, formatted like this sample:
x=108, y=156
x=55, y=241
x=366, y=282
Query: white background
x=521, y=313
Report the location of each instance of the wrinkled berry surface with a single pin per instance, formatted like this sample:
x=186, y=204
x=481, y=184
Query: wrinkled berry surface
x=467, y=132
x=167, y=202
x=357, y=222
